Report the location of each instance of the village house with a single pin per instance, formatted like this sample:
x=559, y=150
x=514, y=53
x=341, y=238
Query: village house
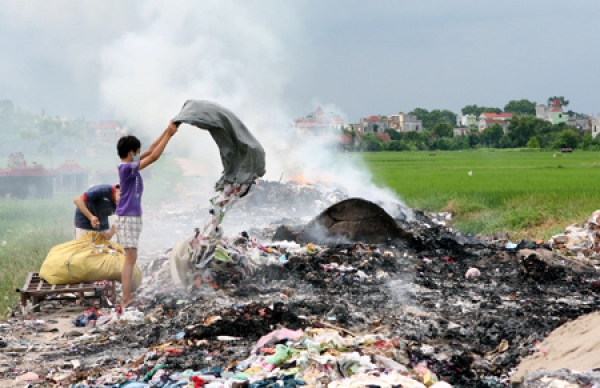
x=70, y=178
x=356, y=127
x=552, y=113
x=466, y=121
x=409, y=123
x=375, y=124
x=595, y=126
x=488, y=119
x=461, y=131
x=319, y=123
x=581, y=122
x=400, y=122
x=109, y=131
x=555, y=115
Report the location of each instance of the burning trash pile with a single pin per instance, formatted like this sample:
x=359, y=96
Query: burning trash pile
x=268, y=198
x=435, y=308
x=268, y=202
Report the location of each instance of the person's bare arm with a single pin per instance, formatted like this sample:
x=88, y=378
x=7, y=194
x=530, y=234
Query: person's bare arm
x=157, y=152
x=111, y=232
x=79, y=201
x=154, y=144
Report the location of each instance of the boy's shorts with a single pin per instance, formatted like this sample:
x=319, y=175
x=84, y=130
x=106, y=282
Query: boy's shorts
x=128, y=229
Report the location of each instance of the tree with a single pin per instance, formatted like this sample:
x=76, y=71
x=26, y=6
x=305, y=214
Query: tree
x=566, y=139
x=411, y=136
x=574, y=114
x=587, y=140
x=397, y=145
x=520, y=107
x=394, y=135
x=505, y=141
x=478, y=110
x=522, y=128
x=443, y=129
x=463, y=142
x=473, y=140
x=533, y=142
x=562, y=100
x=371, y=143
x=444, y=144
x=430, y=119
x=491, y=135
x=51, y=132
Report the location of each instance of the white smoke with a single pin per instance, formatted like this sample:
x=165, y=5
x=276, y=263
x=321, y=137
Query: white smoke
x=236, y=55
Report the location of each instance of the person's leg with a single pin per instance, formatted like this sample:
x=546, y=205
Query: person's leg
x=128, y=234
x=127, y=275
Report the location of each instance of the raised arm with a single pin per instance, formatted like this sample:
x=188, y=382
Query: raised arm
x=160, y=147
x=154, y=144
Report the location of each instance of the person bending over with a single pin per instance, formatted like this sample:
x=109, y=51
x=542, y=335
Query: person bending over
x=93, y=209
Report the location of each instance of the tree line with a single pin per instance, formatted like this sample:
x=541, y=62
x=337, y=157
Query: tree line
x=41, y=134
x=524, y=131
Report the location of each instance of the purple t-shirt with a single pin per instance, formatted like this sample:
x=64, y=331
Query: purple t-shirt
x=132, y=187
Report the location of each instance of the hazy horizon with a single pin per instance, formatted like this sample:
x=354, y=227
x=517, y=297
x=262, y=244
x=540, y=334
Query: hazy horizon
x=75, y=59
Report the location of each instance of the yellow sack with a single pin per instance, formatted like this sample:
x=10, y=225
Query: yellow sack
x=88, y=259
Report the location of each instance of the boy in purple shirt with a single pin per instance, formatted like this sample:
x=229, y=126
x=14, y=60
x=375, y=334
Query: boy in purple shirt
x=128, y=219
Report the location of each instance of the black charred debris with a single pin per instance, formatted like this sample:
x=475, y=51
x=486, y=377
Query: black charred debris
x=469, y=331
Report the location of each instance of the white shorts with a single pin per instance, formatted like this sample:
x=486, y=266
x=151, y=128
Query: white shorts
x=80, y=232
x=128, y=229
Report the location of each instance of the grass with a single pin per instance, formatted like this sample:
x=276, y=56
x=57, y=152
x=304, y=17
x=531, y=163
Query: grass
x=527, y=194
x=28, y=229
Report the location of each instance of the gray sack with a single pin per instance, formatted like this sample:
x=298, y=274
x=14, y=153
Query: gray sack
x=242, y=156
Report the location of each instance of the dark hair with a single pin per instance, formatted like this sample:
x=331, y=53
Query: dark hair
x=127, y=144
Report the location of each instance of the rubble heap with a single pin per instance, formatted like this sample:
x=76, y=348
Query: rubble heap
x=430, y=304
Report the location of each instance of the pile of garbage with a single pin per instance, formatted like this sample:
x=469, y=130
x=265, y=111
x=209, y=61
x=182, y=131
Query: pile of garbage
x=580, y=241
x=267, y=203
x=426, y=306
x=267, y=199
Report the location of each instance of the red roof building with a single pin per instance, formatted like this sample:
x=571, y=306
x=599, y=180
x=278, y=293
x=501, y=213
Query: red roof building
x=373, y=118
x=488, y=119
x=70, y=177
x=319, y=123
x=109, y=131
x=556, y=106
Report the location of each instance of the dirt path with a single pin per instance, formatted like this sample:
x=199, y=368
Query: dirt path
x=28, y=344
x=573, y=345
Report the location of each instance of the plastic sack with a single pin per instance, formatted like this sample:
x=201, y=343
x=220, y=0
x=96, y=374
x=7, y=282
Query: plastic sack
x=87, y=259
x=242, y=156
x=282, y=353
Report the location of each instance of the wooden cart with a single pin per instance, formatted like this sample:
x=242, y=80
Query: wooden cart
x=37, y=290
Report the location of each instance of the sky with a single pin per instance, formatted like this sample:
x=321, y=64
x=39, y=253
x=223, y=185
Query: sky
x=273, y=60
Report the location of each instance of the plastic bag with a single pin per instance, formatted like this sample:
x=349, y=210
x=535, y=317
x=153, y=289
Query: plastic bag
x=87, y=259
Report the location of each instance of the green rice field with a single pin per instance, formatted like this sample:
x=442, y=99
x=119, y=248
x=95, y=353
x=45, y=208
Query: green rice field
x=525, y=193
